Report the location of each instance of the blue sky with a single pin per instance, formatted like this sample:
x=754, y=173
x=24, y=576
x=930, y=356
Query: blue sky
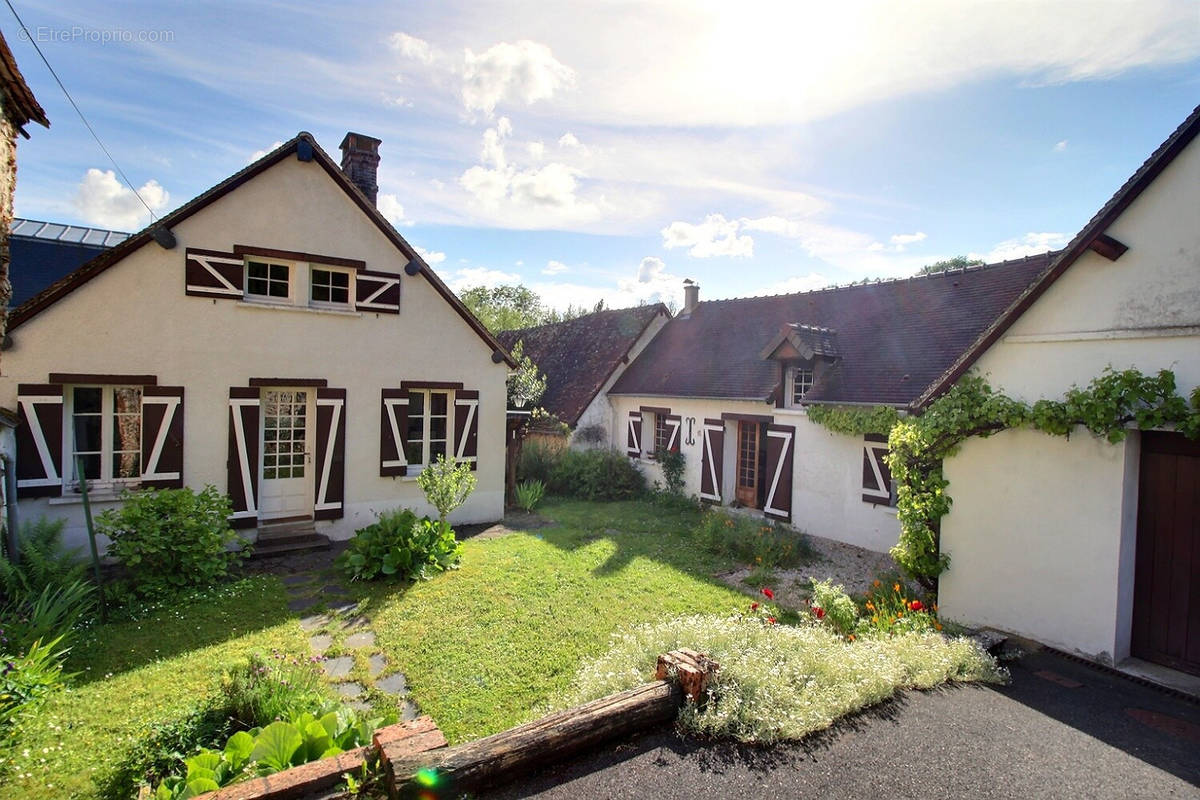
x=608, y=150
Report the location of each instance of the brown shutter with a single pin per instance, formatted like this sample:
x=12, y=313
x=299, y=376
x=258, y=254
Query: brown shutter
x=674, y=425
x=393, y=427
x=781, y=445
x=377, y=291
x=876, y=477
x=162, y=437
x=209, y=273
x=39, y=440
x=633, y=435
x=330, y=472
x=243, y=455
x=466, y=427
x=712, y=459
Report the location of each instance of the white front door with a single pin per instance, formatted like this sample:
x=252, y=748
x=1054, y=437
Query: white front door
x=286, y=487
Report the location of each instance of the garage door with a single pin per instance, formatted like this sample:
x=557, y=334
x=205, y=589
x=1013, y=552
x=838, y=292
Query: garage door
x=1166, y=602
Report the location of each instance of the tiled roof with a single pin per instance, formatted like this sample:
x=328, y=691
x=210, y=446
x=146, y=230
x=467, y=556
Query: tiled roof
x=44, y=252
x=579, y=355
x=894, y=338
x=20, y=105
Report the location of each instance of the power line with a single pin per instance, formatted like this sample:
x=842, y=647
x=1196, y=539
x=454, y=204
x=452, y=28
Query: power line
x=75, y=106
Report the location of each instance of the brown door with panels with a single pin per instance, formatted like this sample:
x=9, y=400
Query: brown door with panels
x=1166, y=595
x=747, y=464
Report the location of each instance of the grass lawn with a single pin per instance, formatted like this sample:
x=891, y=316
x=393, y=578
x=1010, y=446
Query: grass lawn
x=492, y=644
x=137, y=673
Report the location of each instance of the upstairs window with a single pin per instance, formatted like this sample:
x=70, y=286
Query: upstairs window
x=268, y=281
x=106, y=432
x=802, y=382
x=330, y=286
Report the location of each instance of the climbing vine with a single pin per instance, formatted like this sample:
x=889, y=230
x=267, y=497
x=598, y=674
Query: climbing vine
x=854, y=421
x=917, y=445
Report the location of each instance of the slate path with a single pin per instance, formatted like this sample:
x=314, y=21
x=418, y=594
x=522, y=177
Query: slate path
x=337, y=633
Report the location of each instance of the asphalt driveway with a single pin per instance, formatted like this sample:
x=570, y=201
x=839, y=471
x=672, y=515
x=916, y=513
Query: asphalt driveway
x=1061, y=729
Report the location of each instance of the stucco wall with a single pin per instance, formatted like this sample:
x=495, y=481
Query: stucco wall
x=1042, y=530
x=826, y=468
x=135, y=318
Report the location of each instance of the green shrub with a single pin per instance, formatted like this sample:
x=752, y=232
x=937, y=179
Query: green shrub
x=537, y=461
x=446, y=484
x=164, y=748
x=529, y=494
x=172, y=539
x=271, y=688
x=43, y=561
x=889, y=607
x=52, y=614
x=596, y=475
x=831, y=605
x=671, y=462
x=398, y=545
x=591, y=435
x=25, y=681
x=757, y=542
x=779, y=682
x=282, y=744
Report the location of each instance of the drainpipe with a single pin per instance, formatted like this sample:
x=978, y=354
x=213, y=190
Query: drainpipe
x=10, y=502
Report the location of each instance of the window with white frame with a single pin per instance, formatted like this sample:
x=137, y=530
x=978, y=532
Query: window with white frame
x=329, y=286
x=662, y=434
x=429, y=426
x=106, y=433
x=268, y=281
x=802, y=382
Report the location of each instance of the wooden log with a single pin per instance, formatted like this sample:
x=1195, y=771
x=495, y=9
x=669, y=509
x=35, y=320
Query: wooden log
x=501, y=757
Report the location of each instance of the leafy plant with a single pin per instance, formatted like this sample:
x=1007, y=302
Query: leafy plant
x=447, y=484
x=526, y=384
x=400, y=545
x=43, y=561
x=172, y=539
x=165, y=747
x=52, y=614
x=889, y=609
x=282, y=744
x=757, y=542
x=671, y=462
x=596, y=475
x=538, y=460
x=271, y=688
x=831, y=605
x=25, y=681
x=529, y=494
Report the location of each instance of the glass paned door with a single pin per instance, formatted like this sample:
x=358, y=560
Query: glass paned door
x=747, y=464
x=285, y=488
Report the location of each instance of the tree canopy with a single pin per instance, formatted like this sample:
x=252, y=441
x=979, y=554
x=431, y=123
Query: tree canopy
x=958, y=262
x=509, y=308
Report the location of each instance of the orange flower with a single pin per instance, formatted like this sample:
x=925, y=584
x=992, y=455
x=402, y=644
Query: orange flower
x=870, y=606
x=876, y=583
x=851, y=637
x=937, y=625
x=874, y=619
x=895, y=587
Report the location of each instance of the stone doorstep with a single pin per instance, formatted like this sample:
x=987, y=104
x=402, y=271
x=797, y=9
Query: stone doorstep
x=402, y=739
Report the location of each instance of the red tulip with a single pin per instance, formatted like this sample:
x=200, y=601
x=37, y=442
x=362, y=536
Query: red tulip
x=916, y=605
x=820, y=612
x=771, y=620
x=769, y=594
x=754, y=606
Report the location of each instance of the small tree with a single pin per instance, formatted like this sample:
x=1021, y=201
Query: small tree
x=447, y=484
x=958, y=262
x=525, y=384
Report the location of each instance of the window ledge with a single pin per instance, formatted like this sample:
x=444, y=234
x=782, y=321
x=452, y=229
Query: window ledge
x=263, y=306
x=76, y=499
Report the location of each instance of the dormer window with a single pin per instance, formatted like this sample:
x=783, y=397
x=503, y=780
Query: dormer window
x=802, y=381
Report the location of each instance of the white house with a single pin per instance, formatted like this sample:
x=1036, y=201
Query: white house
x=726, y=383
x=1085, y=545
x=274, y=337
x=582, y=358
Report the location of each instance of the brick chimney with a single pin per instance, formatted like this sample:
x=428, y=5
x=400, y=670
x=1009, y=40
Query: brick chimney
x=691, y=296
x=360, y=162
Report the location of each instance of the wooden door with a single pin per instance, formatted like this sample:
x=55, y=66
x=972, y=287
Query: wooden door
x=1166, y=603
x=747, y=464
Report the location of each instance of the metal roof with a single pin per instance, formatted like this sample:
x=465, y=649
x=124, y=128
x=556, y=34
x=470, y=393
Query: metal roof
x=72, y=234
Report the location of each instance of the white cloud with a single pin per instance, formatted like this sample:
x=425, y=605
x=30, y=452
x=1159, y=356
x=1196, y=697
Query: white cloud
x=104, y=201
x=523, y=72
x=553, y=268
x=651, y=269
x=411, y=47
x=1028, y=245
x=481, y=276
x=715, y=236
x=431, y=256
x=903, y=239
x=536, y=150
x=257, y=154
x=568, y=139
x=389, y=205
x=1060, y=146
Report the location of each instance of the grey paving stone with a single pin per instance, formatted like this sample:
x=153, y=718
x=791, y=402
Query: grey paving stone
x=301, y=603
x=376, y=664
x=343, y=608
x=298, y=579
x=359, y=705
x=320, y=643
x=313, y=622
x=357, y=641
x=349, y=689
x=409, y=711
x=338, y=667
x=333, y=589
x=393, y=684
